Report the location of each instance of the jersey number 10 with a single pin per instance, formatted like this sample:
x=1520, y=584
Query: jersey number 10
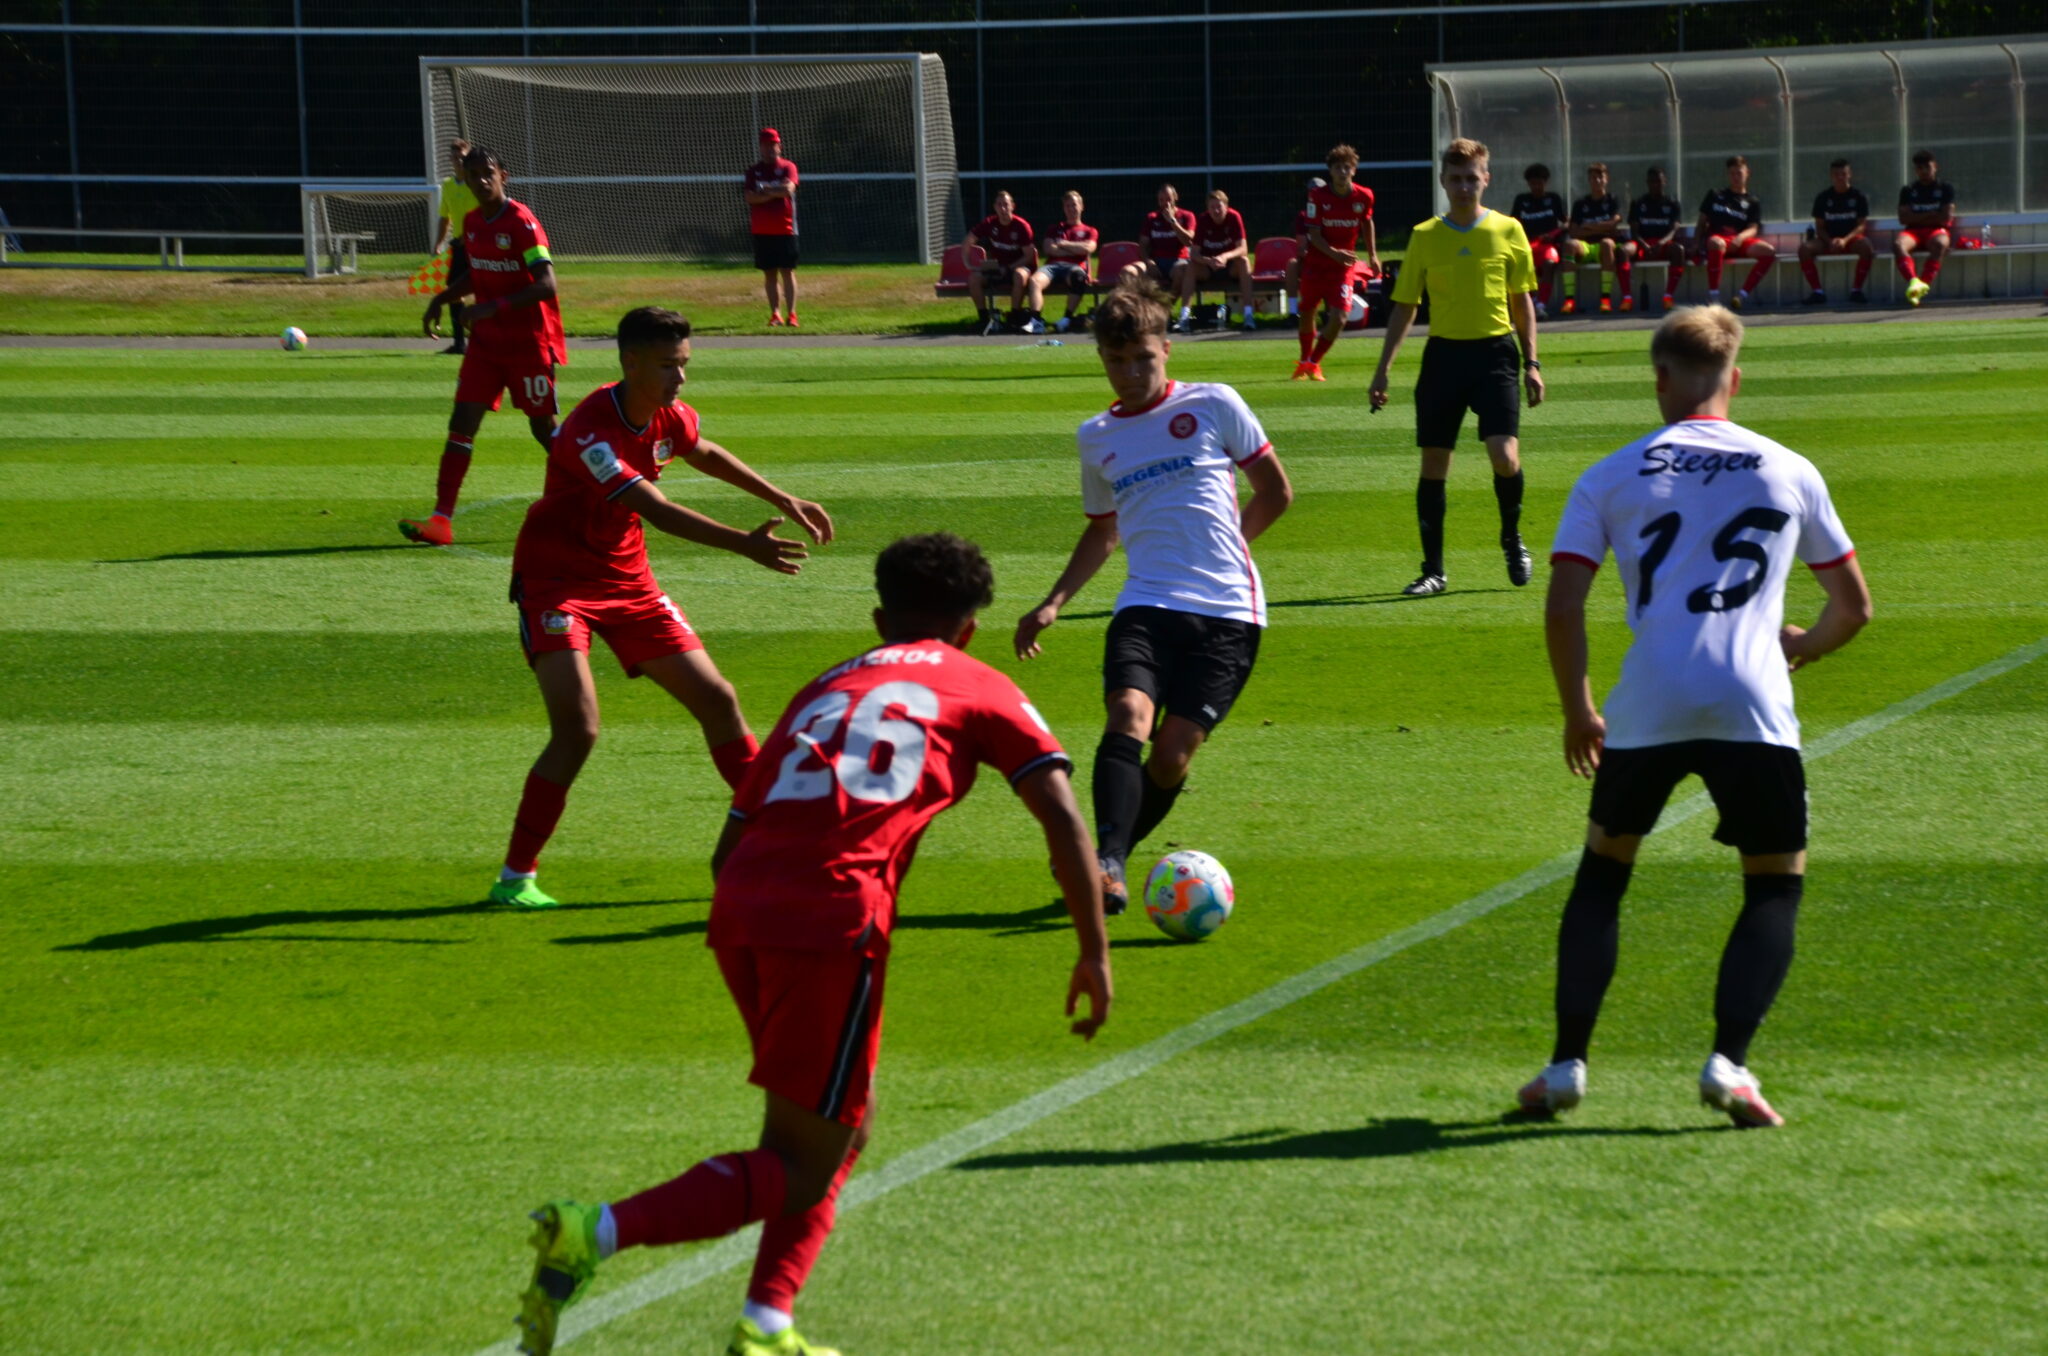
x=1662, y=533
x=882, y=756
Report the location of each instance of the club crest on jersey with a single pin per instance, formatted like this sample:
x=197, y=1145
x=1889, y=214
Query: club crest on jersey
x=556, y=623
x=504, y=241
x=1183, y=425
x=664, y=452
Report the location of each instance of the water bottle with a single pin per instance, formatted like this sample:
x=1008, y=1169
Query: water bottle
x=1052, y=343
x=1986, y=236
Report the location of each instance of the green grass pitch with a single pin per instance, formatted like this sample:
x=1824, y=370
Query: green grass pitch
x=273, y=1081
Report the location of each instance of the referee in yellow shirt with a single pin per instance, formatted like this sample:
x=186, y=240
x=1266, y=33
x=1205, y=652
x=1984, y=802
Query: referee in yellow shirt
x=457, y=202
x=1480, y=274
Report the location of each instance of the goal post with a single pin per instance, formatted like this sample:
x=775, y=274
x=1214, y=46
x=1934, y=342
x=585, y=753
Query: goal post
x=642, y=157
x=368, y=228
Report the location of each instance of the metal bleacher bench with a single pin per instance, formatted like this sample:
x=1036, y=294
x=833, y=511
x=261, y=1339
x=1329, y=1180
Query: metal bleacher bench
x=171, y=248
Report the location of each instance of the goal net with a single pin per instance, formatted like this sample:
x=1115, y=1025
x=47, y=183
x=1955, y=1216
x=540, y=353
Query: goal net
x=368, y=228
x=642, y=157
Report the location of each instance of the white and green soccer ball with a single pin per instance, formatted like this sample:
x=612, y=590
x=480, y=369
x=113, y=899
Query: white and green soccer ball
x=292, y=340
x=1188, y=895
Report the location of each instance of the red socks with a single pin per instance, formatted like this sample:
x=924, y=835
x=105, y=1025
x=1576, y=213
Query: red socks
x=790, y=1245
x=1715, y=258
x=1756, y=274
x=540, y=809
x=1863, y=272
x=454, y=466
x=1933, y=268
x=1672, y=276
x=1624, y=269
x=734, y=757
x=711, y=1200
x=1812, y=271
x=1322, y=347
x=1906, y=270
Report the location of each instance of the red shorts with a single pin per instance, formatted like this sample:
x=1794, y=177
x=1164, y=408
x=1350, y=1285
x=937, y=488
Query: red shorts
x=815, y=1021
x=488, y=373
x=637, y=626
x=1543, y=251
x=1735, y=251
x=1326, y=289
x=1910, y=240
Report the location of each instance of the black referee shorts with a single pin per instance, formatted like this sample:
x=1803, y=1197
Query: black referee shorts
x=1480, y=375
x=1192, y=666
x=1759, y=789
x=774, y=252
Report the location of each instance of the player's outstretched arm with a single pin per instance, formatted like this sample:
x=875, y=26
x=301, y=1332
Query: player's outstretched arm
x=1399, y=321
x=1564, y=630
x=1846, y=612
x=1049, y=795
x=1271, y=494
x=1091, y=553
x=719, y=464
x=761, y=546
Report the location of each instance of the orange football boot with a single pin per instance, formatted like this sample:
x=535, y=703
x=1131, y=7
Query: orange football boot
x=434, y=531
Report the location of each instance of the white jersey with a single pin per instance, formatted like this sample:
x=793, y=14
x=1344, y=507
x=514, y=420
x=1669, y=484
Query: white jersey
x=1168, y=474
x=1704, y=518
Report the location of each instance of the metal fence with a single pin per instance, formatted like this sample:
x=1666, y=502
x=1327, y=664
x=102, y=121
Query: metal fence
x=210, y=113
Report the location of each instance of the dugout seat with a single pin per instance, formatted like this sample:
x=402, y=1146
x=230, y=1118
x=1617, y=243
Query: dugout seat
x=1270, y=258
x=1112, y=259
x=952, y=273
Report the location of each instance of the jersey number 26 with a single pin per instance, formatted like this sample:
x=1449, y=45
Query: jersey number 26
x=882, y=756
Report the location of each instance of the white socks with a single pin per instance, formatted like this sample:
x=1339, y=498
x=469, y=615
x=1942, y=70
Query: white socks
x=607, y=1233
x=769, y=1321
x=1185, y=313
x=507, y=873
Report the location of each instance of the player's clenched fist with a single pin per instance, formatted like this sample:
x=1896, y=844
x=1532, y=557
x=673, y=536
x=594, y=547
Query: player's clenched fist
x=1091, y=980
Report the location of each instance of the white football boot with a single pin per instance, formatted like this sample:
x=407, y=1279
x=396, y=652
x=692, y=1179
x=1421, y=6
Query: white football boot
x=1560, y=1087
x=1734, y=1089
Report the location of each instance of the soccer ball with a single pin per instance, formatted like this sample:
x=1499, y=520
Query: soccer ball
x=292, y=340
x=1189, y=895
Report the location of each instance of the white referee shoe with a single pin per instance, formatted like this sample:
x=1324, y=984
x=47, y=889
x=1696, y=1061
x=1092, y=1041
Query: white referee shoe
x=1560, y=1087
x=1734, y=1089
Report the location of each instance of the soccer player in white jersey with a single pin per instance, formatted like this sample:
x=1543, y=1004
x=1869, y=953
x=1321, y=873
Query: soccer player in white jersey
x=1705, y=520
x=1159, y=473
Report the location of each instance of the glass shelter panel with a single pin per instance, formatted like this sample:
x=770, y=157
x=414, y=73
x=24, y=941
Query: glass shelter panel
x=2034, y=70
x=1516, y=114
x=1959, y=105
x=1845, y=104
x=1733, y=107
x=1621, y=115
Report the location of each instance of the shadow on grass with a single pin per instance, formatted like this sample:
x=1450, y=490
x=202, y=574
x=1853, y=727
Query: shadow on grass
x=274, y=553
x=234, y=928
x=1392, y=1137
x=1024, y=923
x=1369, y=599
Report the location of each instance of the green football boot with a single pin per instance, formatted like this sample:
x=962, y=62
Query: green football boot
x=749, y=1340
x=565, y=1243
x=525, y=892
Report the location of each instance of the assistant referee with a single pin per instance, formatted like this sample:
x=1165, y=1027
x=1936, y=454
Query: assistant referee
x=1480, y=274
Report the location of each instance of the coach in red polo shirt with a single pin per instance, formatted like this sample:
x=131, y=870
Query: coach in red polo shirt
x=771, y=206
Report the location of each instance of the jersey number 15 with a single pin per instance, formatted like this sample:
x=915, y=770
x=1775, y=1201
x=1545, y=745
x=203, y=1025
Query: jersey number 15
x=1662, y=534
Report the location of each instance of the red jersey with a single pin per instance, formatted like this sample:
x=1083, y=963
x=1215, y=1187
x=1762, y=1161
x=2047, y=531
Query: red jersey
x=1160, y=241
x=1064, y=232
x=577, y=532
x=1301, y=223
x=835, y=803
x=1005, y=244
x=1341, y=218
x=777, y=216
x=503, y=253
x=1212, y=237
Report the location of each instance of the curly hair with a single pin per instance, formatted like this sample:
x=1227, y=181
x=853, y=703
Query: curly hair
x=935, y=575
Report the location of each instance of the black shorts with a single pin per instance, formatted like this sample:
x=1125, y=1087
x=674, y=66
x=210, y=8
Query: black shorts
x=1065, y=275
x=1760, y=790
x=458, y=266
x=1191, y=665
x=1480, y=375
x=774, y=252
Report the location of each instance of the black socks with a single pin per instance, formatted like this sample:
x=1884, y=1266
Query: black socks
x=1754, y=966
x=1119, y=794
x=1588, y=940
x=1153, y=807
x=1507, y=492
x=1429, y=515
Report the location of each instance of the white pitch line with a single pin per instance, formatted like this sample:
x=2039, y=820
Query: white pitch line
x=943, y=1152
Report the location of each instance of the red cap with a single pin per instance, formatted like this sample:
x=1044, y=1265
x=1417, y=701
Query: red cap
x=770, y=134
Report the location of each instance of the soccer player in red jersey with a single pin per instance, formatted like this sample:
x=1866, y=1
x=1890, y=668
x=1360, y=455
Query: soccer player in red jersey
x=1221, y=247
x=808, y=868
x=771, y=217
x=1927, y=210
x=1166, y=235
x=1339, y=218
x=580, y=566
x=515, y=333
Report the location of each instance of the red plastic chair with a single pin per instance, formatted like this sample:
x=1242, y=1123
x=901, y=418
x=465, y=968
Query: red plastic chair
x=952, y=274
x=1270, y=258
x=1113, y=259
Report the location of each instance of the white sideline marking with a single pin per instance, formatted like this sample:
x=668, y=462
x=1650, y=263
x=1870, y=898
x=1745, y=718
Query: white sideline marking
x=949, y=1149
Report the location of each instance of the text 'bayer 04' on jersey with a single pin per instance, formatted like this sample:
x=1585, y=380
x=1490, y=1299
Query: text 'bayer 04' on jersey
x=1705, y=519
x=1168, y=474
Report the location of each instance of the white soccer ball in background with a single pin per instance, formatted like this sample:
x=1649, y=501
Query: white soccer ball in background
x=292, y=340
x=1188, y=895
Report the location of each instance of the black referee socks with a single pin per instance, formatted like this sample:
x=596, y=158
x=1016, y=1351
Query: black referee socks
x=1429, y=515
x=1588, y=940
x=1153, y=807
x=1119, y=793
x=1507, y=492
x=1754, y=966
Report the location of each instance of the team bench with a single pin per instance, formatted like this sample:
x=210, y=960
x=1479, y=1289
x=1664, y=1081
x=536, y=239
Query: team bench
x=1270, y=259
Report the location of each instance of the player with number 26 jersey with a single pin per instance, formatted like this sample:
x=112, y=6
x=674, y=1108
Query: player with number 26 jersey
x=1705, y=519
x=861, y=762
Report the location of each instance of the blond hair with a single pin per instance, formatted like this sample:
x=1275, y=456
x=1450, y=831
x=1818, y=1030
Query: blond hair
x=1132, y=310
x=1697, y=339
x=1218, y=195
x=1464, y=151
